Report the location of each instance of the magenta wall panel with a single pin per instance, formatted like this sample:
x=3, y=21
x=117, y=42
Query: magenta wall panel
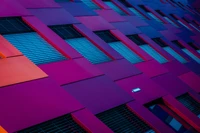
x=118, y=69
x=31, y=101
x=89, y=121
x=101, y=24
x=94, y=89
x=171, y=67
x=55, y=16
x=152, y=68
x=68, y=71
x=17, y=9
x=39, y=3
x=192, y=80
x=110, y=15
x=172, y=84
x=149, y=91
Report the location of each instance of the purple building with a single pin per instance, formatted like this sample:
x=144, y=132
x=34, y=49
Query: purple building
x=99, y=66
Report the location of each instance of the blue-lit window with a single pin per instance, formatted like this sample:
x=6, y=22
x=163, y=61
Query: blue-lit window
x=194, y=57
x=126, y=52
x=34, y=47
x=121, y=120
x=91, y=4
x=137, y=13
x=169, y=50
x=88, y=50
x=114, y=7
x=118, y=46
x=170, y=118
x=148, y=49
x=81, y=44
x=28, y=42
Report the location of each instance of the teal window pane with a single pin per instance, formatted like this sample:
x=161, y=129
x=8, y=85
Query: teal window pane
x=35, y=47
x=191, y=55
x=90, y=4
x=114, y=7
x=154, y=53
x=171, y=22
x=154, y=17
x=198, y=51
x=126, y=52
x=175, y=54
x=194, y=27
x=184, y=25
x=137, y=13
x=88, y=50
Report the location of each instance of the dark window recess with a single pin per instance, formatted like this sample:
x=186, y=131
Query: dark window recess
x=193, y=46
x=178, y=44
x=190, y=103
x=11, y=25
x=195, y=23
x=144, y=8
x=172, y=15
x=136, y=39
x=66, y=31
x=106, y=36
x=165, y=114
x=122, y=120
x=63, y=124
x=161, y=13
x=185, y=20
x=159, y=42
x=125, y=3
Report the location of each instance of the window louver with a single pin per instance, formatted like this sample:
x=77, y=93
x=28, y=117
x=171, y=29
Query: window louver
x=122, y=120
x=81, y=44
x=66, y=31
x=35, y=48
x=91, y=4
x=136, y=39
x=63, y=124
x=106, y=36
x=190, y=103
x=114, y=7
x=13, y=25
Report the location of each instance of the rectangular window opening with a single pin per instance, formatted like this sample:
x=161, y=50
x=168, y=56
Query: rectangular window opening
x=170, y=118
x=81, y=44
x=91, y=4
x=121, y=120
x=118, y=46
x=114, y=7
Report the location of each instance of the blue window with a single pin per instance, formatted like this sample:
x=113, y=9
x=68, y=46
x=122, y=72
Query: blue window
x=175, y=54
x=114, y=7
x=148, y=49
x=121, y=120
x=194, y=57
x=118, y=46
x=81, y=44
x=63, y=124
x=159, y=109
x=169, y=50
x=137, y=13
x=88, y=50
x=126, y=52
x=91, y=4
x=34, y=47
x=152, y=52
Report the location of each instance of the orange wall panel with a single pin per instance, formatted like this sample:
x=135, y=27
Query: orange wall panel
x=8, y=49
x=2, y=130
x=18, y=69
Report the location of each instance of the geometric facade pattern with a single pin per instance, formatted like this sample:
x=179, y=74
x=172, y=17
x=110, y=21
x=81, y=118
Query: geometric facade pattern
x=100, y=66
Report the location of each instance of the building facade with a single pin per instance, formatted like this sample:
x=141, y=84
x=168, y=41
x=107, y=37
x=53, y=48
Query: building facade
x=99, y=66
